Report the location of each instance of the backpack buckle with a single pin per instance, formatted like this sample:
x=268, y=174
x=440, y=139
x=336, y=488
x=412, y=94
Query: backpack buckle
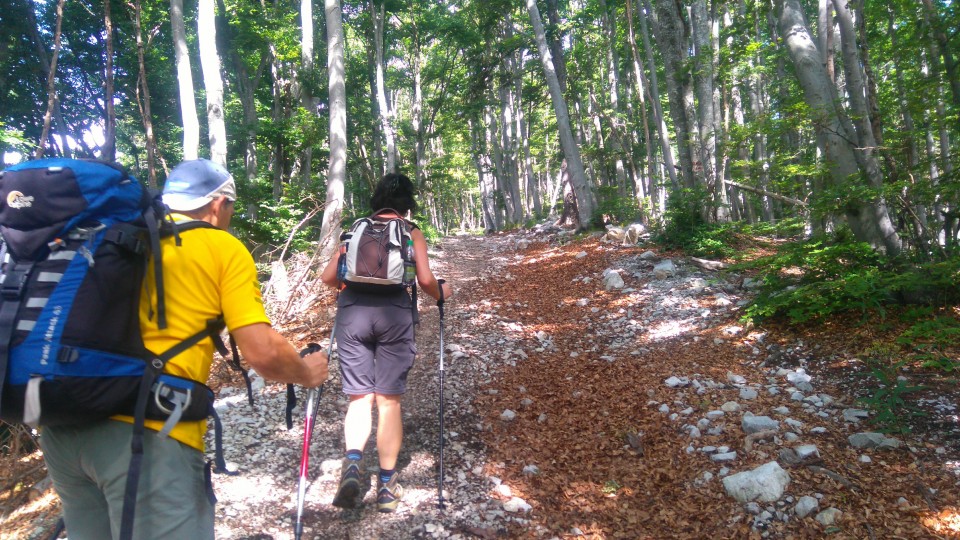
x=15, y=280
x=164, y=392
x=130, y=241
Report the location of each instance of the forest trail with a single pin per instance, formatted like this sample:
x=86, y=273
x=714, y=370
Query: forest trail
x=579, y=407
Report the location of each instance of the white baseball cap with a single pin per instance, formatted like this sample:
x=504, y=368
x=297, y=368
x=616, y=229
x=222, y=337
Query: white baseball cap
x=192, y=184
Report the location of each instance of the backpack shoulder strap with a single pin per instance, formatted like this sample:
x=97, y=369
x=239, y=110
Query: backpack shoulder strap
x=151, y=373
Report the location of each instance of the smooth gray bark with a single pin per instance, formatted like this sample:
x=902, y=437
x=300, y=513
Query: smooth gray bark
x=671, y=38
x=707, y=128
x=306, y=85
x=825, y=35
x=868, y=219
x=188, y=105
x=386, y=114
x=485, y=178
x=109, y=151
x=510, y=174
x=642, y=88
x=666, y=147
x=337, y=175
x=212, y=81
x=942, y=48
x=578, y=177
x=613, y=80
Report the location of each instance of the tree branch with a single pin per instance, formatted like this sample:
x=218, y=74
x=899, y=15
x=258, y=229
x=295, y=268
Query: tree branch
x=777, y=196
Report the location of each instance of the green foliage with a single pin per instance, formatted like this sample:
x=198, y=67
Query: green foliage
x=822, y=276
x=13, y=141
x=887, y=398
x=817, y=278
x=612, y=207
x=785, y=228
x=276, y=220
x=610, y=487
x=685, y=228
x=430, y=232
x=932, y=337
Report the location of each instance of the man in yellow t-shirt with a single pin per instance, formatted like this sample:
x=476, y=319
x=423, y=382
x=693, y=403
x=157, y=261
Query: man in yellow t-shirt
x=206, y=274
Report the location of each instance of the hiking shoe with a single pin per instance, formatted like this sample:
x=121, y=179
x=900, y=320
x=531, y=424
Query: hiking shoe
x=348, y=495
x=388, y=498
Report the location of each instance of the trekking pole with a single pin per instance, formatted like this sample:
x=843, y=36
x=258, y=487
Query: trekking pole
x=440, y=504
x=309, y=418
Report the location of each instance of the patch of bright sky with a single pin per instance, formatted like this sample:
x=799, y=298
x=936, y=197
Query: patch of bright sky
x=92, y=138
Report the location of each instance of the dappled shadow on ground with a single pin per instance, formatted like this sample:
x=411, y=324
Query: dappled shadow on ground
x=612, y=466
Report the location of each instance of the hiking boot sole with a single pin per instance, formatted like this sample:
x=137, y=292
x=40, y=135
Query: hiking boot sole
x=348, y=496
x=391, y=506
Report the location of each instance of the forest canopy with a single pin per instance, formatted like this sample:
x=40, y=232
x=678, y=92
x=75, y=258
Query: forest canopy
x=832, y=115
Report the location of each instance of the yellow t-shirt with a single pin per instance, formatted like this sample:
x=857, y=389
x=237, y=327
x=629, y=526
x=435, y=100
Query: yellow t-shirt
x=210, y=273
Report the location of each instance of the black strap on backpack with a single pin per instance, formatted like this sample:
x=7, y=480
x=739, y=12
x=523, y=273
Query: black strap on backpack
x=12, y=291
x=151, y=373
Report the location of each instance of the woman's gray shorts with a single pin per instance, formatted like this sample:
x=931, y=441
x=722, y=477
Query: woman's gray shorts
x=375, y=342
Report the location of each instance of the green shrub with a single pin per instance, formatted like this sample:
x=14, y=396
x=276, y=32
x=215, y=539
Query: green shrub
x=785, y=228
x=684, y=228
x=816, y=278
x=886, y=399
x=932, y=339
x=612, y=207
x=430, y=232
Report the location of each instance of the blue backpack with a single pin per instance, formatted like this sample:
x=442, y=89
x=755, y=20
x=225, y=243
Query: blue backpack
x=77, y=236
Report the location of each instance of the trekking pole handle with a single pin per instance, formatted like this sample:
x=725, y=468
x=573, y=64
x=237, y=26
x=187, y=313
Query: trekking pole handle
x=440, y=301
x=310, y=349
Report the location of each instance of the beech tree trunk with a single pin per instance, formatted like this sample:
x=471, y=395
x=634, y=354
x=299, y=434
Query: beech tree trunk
x=416, y=112
x=109, y=150
x=278, y=164
x=707, y=134
x=307, y=100
x=481, y=160
x=246, y=86
x=386, y=115
x=556, y=48
x=578, y=177
x=337, y=175
x=143, y=95
x=666, y=147
x=671, y=38
x=642, y=88
x=51, y=87
x=532, y=189
x=868, y=219
x=491, y=142
x=508, y=138
x=932, y=18
x=188, y=106
x=613, y=81
x=825, y=35
x=212, y=81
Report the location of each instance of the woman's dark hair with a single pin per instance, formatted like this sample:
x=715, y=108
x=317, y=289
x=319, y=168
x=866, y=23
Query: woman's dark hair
x=394, y=191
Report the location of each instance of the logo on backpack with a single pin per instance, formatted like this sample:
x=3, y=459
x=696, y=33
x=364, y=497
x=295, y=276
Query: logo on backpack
x=377, y=255
x=18, y=200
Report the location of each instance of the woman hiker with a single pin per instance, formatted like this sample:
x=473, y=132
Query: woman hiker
x=375, y=340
